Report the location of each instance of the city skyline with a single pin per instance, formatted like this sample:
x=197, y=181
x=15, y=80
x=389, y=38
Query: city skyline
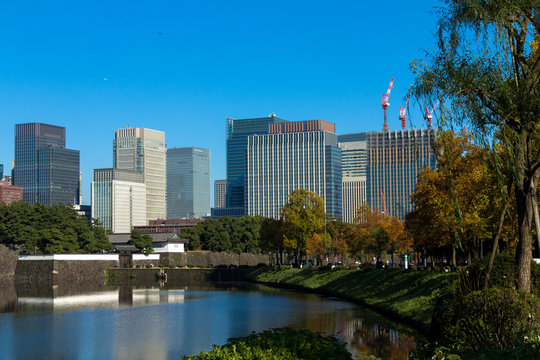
x=182, y=68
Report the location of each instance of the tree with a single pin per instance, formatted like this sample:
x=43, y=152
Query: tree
x=315, y=247
x=271, y=238
x=303, y=215
x=143, y=243
x=451, y=202
x=490, y=77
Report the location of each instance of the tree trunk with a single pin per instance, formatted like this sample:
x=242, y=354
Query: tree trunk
x=454, y=254
x=536, y=220
x=524, y=247
x=496, y=242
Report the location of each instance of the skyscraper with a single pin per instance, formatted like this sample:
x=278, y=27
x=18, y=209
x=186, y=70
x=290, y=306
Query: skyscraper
x=119, y=199
x=220, y=194
x=354, y=165
x=144, y=150
x=394, y=160
x=237, y=132
x=188, y=183
x=44, y=168
x=293, y=155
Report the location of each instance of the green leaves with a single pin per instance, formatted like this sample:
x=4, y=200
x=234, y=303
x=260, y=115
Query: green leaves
x=278, y=344
x=39, y=229
x=143, y=243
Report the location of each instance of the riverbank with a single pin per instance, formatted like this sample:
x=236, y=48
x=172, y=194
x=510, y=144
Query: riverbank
x=406, y=295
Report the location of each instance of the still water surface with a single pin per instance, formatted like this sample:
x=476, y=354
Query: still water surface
x=152, y=323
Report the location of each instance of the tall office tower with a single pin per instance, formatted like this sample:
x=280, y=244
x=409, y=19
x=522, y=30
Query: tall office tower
x=237, y=132
x=353, y=170
x=394, y=160
x=145, y=150
x=293, y=155
x=220, y=194
x=43, y=167
x=1, y=171
x=119, y=199
x=188, y=183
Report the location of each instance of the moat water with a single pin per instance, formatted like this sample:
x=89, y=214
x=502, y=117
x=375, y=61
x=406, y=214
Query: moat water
x=152, y=323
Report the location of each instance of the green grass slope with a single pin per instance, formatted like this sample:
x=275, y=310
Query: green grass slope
x=405, y=294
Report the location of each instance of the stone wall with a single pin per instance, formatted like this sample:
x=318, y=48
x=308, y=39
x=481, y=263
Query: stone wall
x=54, y=272
x=8, y=262
x=206, y=258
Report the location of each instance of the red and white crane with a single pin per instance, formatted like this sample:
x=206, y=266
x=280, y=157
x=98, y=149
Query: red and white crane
x=385, y=102
x=428, y=113
x=403, y=110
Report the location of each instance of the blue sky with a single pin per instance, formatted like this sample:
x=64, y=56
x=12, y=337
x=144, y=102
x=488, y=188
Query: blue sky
x=183, y=66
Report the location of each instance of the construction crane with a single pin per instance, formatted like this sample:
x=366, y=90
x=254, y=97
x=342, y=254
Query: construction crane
x=385, y=102
x=428, y=113
x=403, y=110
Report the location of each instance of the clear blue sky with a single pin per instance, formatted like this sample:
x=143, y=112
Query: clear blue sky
x=182, y=66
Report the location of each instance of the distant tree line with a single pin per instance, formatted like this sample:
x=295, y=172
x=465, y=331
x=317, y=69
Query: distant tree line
x=303, y=229
x=40, y=229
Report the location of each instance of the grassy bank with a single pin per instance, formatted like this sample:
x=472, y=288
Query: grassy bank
x=407, y=295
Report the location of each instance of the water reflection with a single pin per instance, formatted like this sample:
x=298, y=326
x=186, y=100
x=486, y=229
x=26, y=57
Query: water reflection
x=127, y=322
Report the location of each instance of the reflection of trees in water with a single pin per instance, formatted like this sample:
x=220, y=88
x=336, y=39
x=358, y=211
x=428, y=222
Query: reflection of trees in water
x=372, y=338
x=365, y=332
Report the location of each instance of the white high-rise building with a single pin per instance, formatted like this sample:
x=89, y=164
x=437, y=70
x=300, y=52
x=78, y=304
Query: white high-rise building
x=145, y=150
x=293, y=155
x=119, y=199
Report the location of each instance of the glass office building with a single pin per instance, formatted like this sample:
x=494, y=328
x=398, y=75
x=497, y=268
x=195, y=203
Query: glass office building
x=188, y=183
x=43, y=167
x=144, y=150
x=394, y=160
x=237, y=132
x=354, y=164
x=119, y=199
x=302, y=154
x=220, y=194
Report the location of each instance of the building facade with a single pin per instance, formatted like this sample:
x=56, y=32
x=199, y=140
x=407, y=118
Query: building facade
x=303, y=154
x=220, y=194
x=144, y=150
x=188, y=183
x=119, y=199
x=43, y=167
x=394, y=160
x=10, y=194
x=354, y=164
x=237, y=133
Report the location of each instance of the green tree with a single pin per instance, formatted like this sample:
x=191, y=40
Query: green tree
x=143, y=243
x=489, y=77
x=271, y=238
x=303, y=215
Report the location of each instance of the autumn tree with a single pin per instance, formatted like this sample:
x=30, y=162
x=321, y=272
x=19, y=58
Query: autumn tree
x=315, y=247
x=303, y=215
x=450, y=202
x=489, y=76
x=376, y=233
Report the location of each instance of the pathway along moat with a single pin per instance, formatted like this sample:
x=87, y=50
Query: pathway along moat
x=120, y=322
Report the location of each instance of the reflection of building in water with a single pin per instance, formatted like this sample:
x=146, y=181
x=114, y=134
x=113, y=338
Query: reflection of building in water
x=115, y=298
